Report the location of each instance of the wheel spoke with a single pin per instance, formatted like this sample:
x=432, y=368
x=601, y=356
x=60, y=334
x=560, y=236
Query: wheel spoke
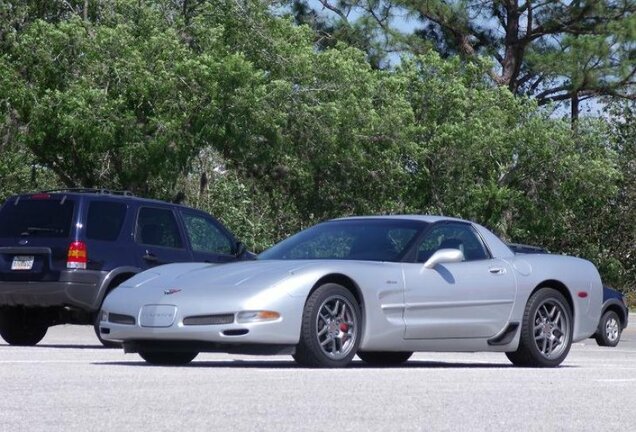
x=324, y=318
x=344, y=312
x=550, y=345
x=557, y=318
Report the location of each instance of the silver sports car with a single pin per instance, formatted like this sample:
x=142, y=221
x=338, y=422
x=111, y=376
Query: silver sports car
x=380, y=287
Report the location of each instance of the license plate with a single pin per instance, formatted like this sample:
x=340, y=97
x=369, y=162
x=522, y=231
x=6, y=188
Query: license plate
x=22, y=263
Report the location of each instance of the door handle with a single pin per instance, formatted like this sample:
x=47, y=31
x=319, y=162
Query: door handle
x=150, y=257
x=497, y=270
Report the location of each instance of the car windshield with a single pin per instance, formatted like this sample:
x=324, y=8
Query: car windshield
x=349, y=239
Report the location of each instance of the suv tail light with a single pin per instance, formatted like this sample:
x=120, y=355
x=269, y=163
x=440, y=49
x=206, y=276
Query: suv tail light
x=77, y=256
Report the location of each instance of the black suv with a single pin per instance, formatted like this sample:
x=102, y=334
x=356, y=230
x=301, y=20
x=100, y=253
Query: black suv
x=62, y=251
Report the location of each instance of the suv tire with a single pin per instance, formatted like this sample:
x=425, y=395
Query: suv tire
x=22, y=326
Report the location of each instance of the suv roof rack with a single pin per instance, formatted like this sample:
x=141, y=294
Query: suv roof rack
x=91, y=190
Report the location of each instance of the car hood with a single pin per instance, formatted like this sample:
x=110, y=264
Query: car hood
x=216, y=276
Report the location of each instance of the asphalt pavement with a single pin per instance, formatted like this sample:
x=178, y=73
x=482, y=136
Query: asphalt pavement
x=69, y=383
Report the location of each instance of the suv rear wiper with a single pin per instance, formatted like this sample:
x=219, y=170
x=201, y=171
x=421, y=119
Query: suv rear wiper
x=31, y=230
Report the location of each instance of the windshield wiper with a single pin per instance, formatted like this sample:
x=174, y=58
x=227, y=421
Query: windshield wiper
x=31, y=230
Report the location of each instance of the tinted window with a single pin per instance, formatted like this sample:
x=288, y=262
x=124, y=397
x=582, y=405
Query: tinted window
x=353, y=239
x=205, y=236
x=37, y=218
x=104, y=220
x=158, y=227
x=452, y=236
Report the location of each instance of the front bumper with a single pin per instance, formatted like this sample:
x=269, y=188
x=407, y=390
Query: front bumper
x=283, y=331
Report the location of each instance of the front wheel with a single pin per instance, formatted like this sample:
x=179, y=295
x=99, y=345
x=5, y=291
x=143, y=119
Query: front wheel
x=546, y=331
x=384, y=358
x=22, y=326
x=162, y=358
x=330, y=330
x=609, y=330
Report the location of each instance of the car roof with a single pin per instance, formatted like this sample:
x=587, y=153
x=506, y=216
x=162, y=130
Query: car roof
x=101, y=194
x=420, y=218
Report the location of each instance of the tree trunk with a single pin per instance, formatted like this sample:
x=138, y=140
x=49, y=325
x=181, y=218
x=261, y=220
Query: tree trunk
x=575, y=108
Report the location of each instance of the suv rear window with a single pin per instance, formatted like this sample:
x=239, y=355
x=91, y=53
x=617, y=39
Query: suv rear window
x=37, y=218
x=104, y=220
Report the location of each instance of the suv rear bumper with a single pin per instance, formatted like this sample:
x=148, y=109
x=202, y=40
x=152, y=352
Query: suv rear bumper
x=78, y=288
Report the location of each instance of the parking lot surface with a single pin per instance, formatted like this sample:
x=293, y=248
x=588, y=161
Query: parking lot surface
x=70, y=383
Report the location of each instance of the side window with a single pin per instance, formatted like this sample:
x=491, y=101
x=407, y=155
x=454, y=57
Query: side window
x=158, y=227
x=452, y=236
x=104, y=220
x=205, y=236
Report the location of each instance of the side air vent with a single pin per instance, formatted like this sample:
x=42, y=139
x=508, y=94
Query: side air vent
x=209, y=319
x=237, y=332
x=506, y=335
x=121, y=319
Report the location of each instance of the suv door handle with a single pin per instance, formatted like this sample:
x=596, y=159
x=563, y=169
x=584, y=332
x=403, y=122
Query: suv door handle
x=149, y=256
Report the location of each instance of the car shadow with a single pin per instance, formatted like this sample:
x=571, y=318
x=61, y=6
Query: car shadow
x=60, y=346
x=282, y=364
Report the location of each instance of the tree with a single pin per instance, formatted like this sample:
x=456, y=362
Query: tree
x=554, y=51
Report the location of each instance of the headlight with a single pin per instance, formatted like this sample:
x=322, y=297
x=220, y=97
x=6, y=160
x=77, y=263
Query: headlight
x=104, y=316
x=256, y=316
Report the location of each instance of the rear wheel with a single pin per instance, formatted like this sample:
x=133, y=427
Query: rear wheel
x=330, y=331
x=22, y=326
x=168, y=358
x=384, y=358
x=609, y=330
x=546, y=331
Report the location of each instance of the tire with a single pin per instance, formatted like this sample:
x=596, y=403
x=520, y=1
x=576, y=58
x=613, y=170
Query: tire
x=546, y=331
x=384, y=358
x=162, y=358
x=106, y=343
x=609, y=330
x=21, y=326
x=330, y=330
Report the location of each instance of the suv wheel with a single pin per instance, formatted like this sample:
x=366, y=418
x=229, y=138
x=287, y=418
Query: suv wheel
x=22, y=326
x=104, y=342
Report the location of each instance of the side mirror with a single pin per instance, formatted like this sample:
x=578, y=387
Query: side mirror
x=239, y=249
x=444, y=256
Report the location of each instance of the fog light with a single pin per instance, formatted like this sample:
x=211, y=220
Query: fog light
x=256, y=316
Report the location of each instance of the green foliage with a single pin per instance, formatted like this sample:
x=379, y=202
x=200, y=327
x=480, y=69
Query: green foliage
x=233, y=108
x=552, y=50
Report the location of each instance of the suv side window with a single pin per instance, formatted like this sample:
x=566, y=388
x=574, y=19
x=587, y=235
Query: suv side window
x=104, y=220
x=158, y=227
x=205, y=236
x=453, y=236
